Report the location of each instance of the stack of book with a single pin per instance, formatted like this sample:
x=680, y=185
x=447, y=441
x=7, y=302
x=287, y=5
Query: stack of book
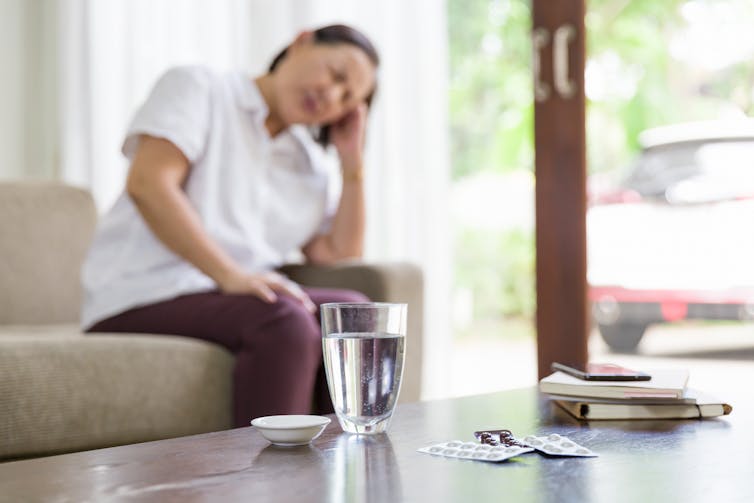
x=664, y=396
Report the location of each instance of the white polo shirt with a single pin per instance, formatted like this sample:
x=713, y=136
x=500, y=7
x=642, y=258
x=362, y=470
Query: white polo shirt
x=259, y=198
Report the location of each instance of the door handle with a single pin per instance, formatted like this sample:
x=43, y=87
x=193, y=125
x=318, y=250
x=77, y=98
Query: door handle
x=564, y=35
x=539, y=38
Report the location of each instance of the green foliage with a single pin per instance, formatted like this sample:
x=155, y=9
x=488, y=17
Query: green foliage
x=636, y=36
x=734, y=83
x=498, y=267
x=491, y=112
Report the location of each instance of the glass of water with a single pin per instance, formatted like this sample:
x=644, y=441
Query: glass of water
x=363, y=346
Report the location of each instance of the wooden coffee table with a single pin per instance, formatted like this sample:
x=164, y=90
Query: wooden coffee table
x=692, y=460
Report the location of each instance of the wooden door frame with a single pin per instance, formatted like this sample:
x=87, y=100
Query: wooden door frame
x=558, y=41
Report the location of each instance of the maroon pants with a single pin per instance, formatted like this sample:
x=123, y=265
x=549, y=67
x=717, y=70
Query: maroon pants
x=278, y=346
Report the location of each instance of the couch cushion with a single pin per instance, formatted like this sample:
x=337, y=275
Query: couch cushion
x=66, y=392
x=50, y=329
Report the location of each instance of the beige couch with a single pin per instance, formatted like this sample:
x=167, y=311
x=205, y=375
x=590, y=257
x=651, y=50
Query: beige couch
x=63, y=391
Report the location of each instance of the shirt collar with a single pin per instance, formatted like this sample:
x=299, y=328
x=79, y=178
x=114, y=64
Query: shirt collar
x=251, y=99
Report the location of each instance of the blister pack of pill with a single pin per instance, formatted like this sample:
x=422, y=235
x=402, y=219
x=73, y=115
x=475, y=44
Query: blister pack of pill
x=499, y=445
x=556, y=445
x=475, y=451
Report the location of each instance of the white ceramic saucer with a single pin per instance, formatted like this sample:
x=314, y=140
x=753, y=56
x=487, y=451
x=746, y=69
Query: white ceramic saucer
x=290, y=429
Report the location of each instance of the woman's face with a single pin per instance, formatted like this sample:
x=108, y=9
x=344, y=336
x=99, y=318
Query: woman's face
x=321, y=83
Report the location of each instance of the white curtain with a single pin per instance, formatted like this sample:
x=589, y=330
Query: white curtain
x=111, y=52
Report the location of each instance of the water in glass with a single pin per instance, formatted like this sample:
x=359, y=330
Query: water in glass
x=364, y=371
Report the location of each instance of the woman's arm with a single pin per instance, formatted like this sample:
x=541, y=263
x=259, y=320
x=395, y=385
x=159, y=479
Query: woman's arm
x=155, y=184
x=346, y=236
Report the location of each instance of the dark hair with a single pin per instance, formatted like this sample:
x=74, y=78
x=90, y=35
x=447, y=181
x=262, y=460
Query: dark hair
x=337, y=34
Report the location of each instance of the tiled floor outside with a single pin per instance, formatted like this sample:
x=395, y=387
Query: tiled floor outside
x=718, y=357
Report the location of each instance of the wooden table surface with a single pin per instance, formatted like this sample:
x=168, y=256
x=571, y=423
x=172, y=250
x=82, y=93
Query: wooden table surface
x=691, y=460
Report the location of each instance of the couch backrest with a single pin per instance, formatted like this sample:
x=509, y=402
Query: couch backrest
x=45, y=230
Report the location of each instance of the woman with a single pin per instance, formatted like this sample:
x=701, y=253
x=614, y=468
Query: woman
x=225, y=182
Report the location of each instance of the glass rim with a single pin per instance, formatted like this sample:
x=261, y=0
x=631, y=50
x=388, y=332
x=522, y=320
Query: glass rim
x=373, y=305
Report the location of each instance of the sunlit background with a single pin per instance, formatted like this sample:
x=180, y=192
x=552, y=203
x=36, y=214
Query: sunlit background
x=648, y=64
x=450, y=147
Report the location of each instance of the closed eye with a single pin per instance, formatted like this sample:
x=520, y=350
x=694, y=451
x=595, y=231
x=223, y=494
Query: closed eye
x=338, y=76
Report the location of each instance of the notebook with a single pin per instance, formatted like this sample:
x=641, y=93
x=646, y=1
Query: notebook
x=665, y=383
x=694, y=404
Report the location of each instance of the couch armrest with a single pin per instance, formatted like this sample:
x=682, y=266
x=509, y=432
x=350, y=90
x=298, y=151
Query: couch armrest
x=388, y=282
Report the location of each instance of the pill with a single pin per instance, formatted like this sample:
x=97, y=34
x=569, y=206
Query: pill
x=449, y=452
x=567, y=445
x=453, y=444
x=553, y=437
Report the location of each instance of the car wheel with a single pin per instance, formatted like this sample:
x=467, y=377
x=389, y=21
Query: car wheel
x=623, y=337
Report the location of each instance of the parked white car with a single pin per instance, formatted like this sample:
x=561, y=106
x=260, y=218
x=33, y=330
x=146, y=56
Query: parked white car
x=675, y=239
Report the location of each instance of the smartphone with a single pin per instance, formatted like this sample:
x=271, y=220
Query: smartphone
x=603, y=372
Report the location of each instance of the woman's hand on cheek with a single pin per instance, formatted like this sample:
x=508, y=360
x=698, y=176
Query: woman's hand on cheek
x=347, y=135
